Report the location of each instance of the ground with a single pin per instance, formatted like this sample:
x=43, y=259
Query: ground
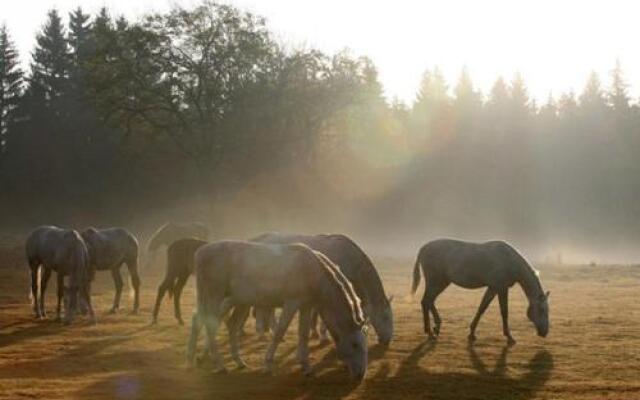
x=592, y=351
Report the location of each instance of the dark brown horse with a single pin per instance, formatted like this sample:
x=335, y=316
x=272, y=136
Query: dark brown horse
x=179, y=268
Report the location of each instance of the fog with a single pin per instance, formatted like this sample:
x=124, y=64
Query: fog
x=205, y=115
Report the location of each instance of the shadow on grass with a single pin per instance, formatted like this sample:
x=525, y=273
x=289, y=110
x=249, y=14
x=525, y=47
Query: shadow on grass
x=414, y=381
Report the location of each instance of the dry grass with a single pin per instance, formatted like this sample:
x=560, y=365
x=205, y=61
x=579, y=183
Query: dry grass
x=593, y=351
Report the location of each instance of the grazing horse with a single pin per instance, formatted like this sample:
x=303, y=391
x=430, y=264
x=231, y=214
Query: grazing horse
x=179, y=267
x=357, y=267
x=50, y=248
x=108, y=250
x=244, y=274
x=495, y=265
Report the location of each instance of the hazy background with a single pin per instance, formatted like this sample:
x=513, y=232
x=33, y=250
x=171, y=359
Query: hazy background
x=555, y=45
x=449, y=119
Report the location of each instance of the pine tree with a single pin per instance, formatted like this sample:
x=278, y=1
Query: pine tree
x=618, y=96
x=499, y=95
x=519, y=96
x=79, y=37
x=50, y=67
x=10, y=85
x=467, y=99
x=592, y=98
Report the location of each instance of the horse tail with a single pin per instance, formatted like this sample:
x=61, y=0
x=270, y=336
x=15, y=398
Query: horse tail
x=416, y=274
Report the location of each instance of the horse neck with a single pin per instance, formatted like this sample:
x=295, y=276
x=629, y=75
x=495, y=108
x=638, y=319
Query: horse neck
x=529, y=282
x=373, y=291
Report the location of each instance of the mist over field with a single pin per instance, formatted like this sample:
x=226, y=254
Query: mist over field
x=202, y=113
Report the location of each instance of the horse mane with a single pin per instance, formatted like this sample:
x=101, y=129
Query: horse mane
x=533, y=273
x=343, y=284
x=367, y=271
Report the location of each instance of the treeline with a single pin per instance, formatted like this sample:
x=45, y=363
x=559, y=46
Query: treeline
x=201, y=111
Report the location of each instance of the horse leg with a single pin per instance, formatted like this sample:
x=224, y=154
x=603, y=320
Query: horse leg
x=324, y=337
x=304, y=324
x=313, y=324
x=132, y=266
x=503, y=298
x=425, y=313
x=166, y=284
x=486, y=300
x=60, y=284
x=117, y=280
x=34, y=289
x=196, y=327
x=44, y=281
x=260, y=325
x=211, y=324
x=177, y=292
x=240, y=313
x=288, y=311
x=87, y=295
x=431, y=292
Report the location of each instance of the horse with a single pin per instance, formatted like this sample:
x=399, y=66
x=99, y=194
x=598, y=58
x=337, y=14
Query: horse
x=244, y=274
x=171, y=231
x=179, y=267
x=108, y=250
x=495, y=265
x=49, y=248
x=357, y=267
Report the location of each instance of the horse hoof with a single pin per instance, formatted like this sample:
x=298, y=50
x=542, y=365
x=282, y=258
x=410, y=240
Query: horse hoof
x=241, y=365
x=112, y=311
x=180, y=322
x=436, y=330
x=432, y=338
x=510, y=341
x=133, y=312
x=472, y=338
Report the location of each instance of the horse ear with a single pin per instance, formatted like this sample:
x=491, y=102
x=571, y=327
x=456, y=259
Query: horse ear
x=546, y=295
x=390, y=299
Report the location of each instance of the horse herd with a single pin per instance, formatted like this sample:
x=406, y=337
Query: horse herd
x=319, y=277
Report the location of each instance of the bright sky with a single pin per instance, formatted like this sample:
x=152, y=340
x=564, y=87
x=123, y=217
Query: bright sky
x=554, y=44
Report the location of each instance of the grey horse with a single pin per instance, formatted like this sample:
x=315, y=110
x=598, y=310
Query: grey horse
x=357, y=267
x=495, y=265
x=179, y=267
x=108, y=250
x=244, y=274
x=50, y=248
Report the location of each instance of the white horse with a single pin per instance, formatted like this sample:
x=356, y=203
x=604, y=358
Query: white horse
x=50, y=248
x=108, y=250
x=244, y=274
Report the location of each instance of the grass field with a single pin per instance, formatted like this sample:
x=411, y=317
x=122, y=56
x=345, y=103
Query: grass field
x=592, y=352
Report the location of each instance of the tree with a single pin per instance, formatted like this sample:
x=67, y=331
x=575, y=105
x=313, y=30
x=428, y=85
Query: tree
x=592, y=98
x=10, y=86
x=466, y=98
x=617, y=96
x=519, y=100
x=430, y=114
x=50, y=67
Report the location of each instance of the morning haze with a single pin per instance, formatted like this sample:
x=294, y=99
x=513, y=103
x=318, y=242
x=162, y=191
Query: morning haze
x=375, y=173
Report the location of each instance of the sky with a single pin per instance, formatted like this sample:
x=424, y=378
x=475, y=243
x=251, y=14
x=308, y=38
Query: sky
x=553, y=44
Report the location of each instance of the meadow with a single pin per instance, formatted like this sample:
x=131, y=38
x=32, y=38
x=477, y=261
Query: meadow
x=592, y=351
